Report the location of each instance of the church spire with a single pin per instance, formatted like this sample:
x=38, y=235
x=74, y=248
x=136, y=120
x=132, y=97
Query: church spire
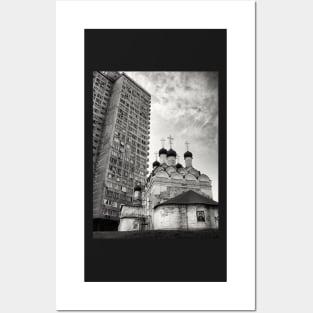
x=188, y=155
x=163, y=152
x=156, y=163
x=178, y=165
x=170, y=139
x=171, y=154
x=187, y=145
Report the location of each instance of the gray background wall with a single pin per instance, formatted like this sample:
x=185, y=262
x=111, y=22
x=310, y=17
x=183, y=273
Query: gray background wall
x=284, y=156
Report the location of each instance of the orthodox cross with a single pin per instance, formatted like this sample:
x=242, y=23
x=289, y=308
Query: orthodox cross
x=170, y=139
x=162, y=140
x=187, y=145
x=156, y=155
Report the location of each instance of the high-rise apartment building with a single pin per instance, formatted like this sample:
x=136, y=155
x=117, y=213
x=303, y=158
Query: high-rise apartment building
x=121, y=127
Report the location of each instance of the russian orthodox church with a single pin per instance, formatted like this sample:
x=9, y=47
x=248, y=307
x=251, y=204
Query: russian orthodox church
x=174, y=197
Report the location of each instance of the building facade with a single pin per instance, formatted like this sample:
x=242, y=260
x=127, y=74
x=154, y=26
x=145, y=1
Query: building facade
x=174, y=197
x=121, y=128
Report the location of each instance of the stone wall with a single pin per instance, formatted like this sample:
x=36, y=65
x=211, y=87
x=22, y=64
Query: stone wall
x=129, y=224
x=184, y=217
x=211, y=217
x=161, y=189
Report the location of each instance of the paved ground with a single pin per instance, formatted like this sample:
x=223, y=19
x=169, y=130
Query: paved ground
x=158, y=234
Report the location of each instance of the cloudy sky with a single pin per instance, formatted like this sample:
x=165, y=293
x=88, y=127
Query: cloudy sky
x=185, y=106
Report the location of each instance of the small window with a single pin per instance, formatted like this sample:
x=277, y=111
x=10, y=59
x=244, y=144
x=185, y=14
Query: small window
x=200, y=216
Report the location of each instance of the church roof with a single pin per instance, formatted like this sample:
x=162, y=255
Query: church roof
x=156, y=163
x=171, y=152
x=189, y=197
x=162, y=151
x=187, y=154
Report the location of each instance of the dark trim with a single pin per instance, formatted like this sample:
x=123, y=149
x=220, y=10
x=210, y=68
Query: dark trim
x=185, y=204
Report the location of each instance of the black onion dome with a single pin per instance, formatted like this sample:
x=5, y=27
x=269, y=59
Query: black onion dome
x=178, y=165
x=171, y=152
x=187, y=154
x=156, y=163
x=162, y=151
x=137, y=188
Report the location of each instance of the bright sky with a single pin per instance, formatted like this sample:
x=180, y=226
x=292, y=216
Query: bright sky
x=185, y=106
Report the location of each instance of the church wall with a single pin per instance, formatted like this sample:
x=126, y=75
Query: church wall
x=184, y=217
x=129, y=224
x=161, y=189
x=210, y=213
x=169, y=217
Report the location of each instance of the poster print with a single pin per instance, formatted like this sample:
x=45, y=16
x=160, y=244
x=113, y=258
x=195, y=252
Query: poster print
x=157, y=136
x=138, y=239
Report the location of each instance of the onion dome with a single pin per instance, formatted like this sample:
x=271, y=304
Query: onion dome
x=137, y=188
x=171, y=152
x=187, y=154
x=162, y=151
x=155, y=164
x=178, y=165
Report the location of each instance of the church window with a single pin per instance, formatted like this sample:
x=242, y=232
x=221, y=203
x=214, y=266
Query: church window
x=200, y=216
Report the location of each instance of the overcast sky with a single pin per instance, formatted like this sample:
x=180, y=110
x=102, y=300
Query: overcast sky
x=185, y=106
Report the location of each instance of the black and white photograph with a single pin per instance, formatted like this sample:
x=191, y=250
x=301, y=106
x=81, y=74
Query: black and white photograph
x=155, y=154
x=156, y=171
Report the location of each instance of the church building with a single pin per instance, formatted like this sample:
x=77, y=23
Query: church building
x=174, y=197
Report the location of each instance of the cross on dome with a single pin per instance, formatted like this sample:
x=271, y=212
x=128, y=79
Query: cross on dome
x=187, y=145
x=162, y=141
x=170, y=139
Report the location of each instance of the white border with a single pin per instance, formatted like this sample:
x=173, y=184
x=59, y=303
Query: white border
x=238, y=17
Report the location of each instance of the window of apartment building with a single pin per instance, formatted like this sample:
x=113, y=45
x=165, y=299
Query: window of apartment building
x=106, y=201
x=113, y=160
x=116, y=195
x=112, y=168
x=109, y=193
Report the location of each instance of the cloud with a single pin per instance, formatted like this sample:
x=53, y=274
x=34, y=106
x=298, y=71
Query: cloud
x=185, y=105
